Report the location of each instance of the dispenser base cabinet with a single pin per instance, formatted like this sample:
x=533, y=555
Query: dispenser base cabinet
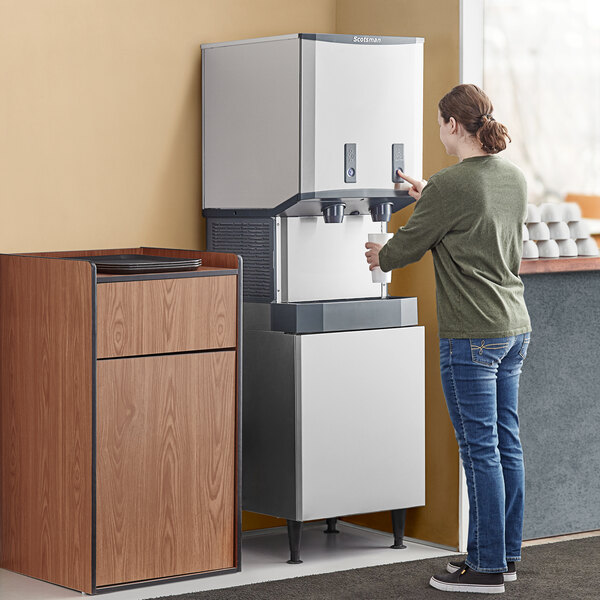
x=327, y=431
x=119, y=417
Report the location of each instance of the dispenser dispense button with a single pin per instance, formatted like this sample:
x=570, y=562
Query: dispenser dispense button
x=397, y=162
x=350, y=163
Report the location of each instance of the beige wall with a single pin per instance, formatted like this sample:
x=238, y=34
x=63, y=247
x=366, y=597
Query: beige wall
x=438, y=22
x=100, y=142
x=100, y=115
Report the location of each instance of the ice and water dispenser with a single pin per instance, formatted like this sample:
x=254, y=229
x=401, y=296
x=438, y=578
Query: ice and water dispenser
x=301, y=139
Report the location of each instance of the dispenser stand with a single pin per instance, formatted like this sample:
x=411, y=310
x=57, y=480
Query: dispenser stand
x=295, y=533
x=331, y=523
x=294, y=536
x=398, y=520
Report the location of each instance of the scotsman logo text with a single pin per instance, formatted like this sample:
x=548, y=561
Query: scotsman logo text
x=369, y=40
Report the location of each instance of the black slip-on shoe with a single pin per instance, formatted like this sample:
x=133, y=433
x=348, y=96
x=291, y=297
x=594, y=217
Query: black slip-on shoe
x=510, y=575
x=467, y=580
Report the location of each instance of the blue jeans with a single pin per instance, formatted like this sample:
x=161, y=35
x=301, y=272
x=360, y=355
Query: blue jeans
x=480, y=378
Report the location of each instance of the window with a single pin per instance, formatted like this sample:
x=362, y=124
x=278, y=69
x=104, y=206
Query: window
x=542, y=71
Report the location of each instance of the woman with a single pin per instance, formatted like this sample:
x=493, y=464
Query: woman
x=470, y=216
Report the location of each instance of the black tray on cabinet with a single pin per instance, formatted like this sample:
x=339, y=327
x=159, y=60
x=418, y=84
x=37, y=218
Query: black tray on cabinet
x=140, y=263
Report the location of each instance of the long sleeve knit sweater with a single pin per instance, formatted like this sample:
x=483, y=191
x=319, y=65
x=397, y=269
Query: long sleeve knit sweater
x=470, y=216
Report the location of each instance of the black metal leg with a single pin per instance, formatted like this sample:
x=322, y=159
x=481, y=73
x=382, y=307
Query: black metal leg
x=294, y=535
x=398, y=520
x=331, y=526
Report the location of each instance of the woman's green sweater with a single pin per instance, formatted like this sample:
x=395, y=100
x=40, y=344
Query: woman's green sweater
x=470, y=216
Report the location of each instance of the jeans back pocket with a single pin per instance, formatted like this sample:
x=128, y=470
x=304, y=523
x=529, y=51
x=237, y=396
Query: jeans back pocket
x=489, y=351
x=525, y=345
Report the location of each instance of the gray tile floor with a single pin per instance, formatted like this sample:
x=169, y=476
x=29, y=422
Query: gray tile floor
x=264, y=556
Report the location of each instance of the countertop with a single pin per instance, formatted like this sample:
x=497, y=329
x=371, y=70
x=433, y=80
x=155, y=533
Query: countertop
x=559, y=265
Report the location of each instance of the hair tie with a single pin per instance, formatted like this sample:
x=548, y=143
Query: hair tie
x=489, y=117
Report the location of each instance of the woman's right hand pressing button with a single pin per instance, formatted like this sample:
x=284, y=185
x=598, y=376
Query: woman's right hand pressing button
x=416, y=185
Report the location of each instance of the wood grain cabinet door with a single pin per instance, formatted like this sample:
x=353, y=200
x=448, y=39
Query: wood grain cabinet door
x=165, y=466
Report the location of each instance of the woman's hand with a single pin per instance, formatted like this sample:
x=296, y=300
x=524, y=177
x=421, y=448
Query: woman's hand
x=372, y=254
x=417, y=186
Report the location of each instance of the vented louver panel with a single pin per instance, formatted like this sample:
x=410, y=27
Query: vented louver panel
x=253, y=240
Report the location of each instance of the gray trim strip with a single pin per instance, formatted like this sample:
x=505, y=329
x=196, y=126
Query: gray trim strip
x=357, y=200
x=240, y=356
x=362, y=39
x=373, y=40
x=298, y=426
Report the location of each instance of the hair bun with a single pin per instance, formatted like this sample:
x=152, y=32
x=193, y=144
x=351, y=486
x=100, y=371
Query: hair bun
x=472, y=108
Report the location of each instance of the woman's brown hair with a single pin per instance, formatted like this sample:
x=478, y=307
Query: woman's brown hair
x=471, y=107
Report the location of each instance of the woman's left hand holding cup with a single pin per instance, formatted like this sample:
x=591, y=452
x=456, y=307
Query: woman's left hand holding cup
x=372, y=254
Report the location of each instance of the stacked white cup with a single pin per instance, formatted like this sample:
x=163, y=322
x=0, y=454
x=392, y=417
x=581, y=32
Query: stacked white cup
x=530, y=249
x=551, y=215
x=537, y=231
x=579, y=230
x=556, y=230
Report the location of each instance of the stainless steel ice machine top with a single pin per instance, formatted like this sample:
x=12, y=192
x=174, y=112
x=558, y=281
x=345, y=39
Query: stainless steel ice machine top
x=302, y=136
x=294, y=124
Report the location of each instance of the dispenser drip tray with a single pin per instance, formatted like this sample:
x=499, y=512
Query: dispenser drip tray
x=344, y=315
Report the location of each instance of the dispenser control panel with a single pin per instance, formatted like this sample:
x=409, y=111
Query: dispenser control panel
x=397, y=162
x=350, y=163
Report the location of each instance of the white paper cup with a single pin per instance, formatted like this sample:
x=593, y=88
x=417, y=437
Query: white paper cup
x=559, y=230
x=530, y=249
x=579, y=230
x=538, y=231
x=377, y=275
x=533, y=214
x=548, y=249
x=551, y=213
x=571, y=211
x=587, y=247
x=567, y=247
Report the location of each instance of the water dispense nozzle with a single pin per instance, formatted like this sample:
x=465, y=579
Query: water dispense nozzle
x=333, y=213
x=381, y=212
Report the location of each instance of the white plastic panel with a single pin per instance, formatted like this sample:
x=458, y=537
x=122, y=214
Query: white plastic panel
x=326, y=261
x=362, y=431
x=369, y=95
